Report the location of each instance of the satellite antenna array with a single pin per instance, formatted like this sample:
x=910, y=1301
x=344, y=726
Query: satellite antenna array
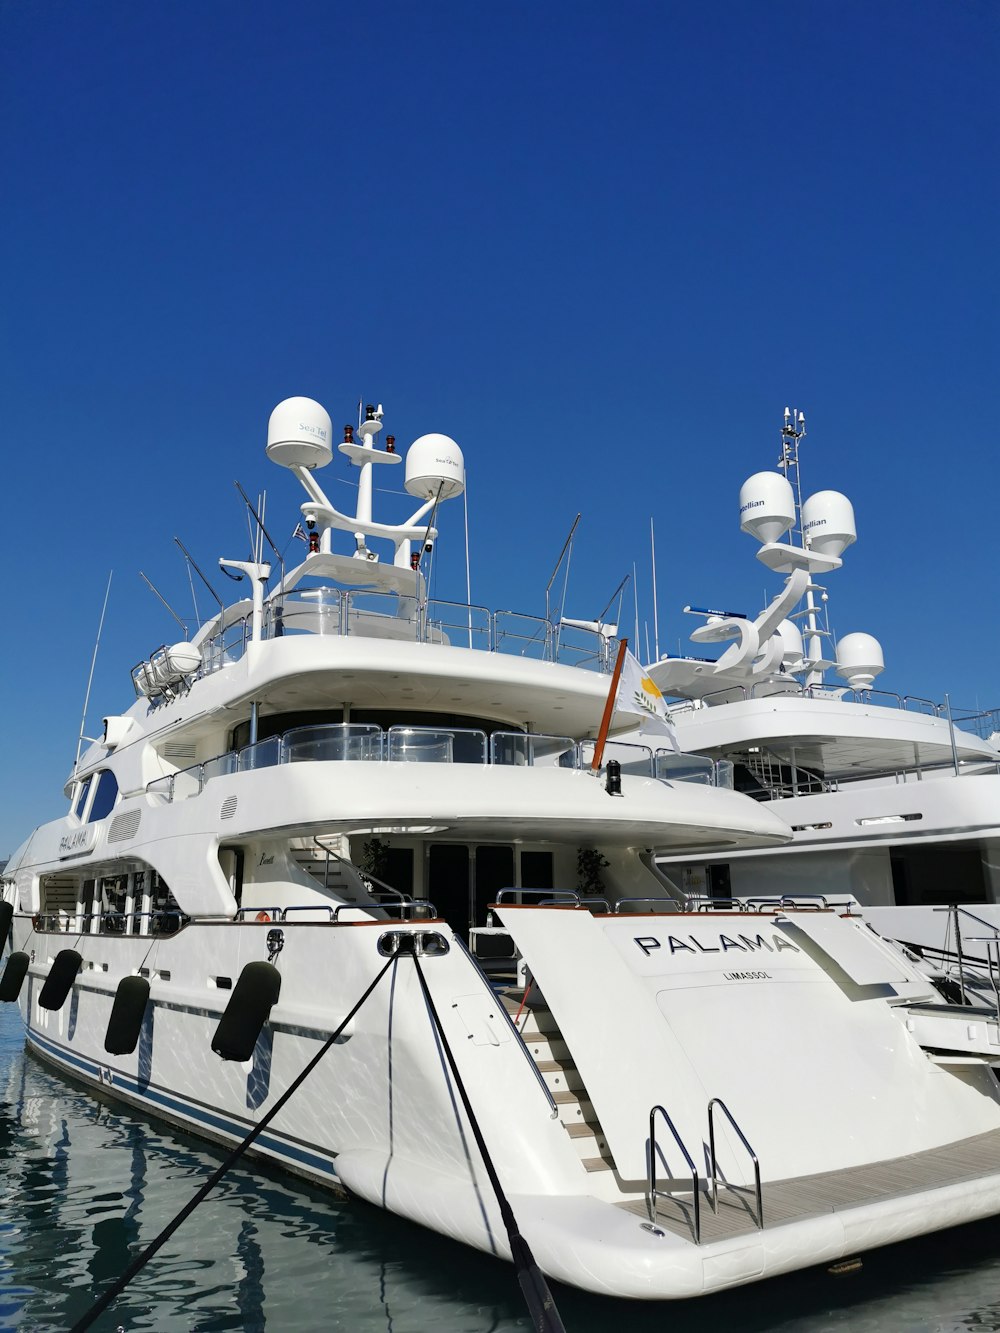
x=771, y=508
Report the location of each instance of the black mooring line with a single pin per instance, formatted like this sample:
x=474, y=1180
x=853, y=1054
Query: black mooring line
x=140, y=1262
x=537, y=1296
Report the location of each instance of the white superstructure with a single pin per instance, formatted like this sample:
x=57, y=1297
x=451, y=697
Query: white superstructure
x=892, y=799
x=338, y=777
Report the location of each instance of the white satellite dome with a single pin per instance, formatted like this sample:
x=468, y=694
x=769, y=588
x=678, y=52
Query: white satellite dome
x=859, y=660
x=791, y=637
x=828, y=523
x=433, y=462
x=767, y=506
x=299, y=433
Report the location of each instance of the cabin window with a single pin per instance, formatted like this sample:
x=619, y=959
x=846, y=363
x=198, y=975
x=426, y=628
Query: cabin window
x=233, y=860
x=448, y=883
x=81, y=800
x=105, y=795
x=536, y=870
x=399, y=869
x=494, y=871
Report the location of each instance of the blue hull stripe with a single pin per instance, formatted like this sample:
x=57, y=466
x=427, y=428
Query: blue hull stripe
x=272, y=1144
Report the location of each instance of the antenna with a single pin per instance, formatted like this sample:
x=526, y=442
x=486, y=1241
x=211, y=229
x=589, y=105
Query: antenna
x=423, y=547
x=468, y=578
x=635, y=594
x=567, y=546
x=619, y=590
x=652, y=557
x=793, y=431
x=153, y=589
x=264, y=531
x=193, y=565
x=90, y=678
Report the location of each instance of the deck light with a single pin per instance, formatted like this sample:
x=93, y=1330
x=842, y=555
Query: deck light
x=613, y=785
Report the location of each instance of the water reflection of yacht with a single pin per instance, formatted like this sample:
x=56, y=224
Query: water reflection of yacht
x=337, y=778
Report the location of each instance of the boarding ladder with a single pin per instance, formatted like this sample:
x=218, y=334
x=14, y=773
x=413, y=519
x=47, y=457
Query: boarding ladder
x=713, y=1179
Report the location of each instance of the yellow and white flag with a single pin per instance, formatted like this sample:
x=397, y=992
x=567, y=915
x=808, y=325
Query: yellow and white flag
x=638, y=694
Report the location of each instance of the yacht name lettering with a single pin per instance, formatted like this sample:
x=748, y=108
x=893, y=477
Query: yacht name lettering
x=69, y=842
x=745, y=944
x=266, y=859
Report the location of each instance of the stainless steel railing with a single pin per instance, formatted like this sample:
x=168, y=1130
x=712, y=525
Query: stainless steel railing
x=713, y=1162
x=651, y=1190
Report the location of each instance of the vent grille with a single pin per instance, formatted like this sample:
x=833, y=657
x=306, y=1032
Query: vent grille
x=228, y=808
x=183, y=751
x=124, y=826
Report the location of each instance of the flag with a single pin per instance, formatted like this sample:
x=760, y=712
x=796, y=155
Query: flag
x=637, y=693
x=300, y=532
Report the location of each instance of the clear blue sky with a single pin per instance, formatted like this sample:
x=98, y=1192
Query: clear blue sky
x=602, y=245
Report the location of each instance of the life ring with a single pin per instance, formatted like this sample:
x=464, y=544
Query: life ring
x=262, y=916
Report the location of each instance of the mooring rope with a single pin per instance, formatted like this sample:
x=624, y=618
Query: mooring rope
x=537, y=1295
x=119, y=1285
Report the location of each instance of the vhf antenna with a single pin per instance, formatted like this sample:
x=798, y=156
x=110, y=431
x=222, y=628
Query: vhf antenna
x=792, y=431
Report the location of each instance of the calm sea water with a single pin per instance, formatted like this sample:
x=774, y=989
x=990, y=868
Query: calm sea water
x=84, y=1186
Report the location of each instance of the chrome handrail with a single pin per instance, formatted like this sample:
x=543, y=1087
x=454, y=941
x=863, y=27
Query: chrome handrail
x=540, y=1077
x=669, y=905
x=717, y=1101
x=651, y=1171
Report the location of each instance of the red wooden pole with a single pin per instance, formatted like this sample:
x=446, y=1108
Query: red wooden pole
x=609, y=707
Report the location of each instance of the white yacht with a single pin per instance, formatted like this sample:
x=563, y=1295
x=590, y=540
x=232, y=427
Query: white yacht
x=342, y=792
x=892, y=799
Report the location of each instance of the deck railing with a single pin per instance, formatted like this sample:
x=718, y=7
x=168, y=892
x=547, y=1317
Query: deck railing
x=363, y=742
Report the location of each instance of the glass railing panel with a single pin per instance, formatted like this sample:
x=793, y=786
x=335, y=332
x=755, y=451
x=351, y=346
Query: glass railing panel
x=417, y=745
x=221, y=766
x=673, y=767
x=305, y=611
x=382, y=615
x=459, y=624
x=636, y=760
x=454, y=745
x=521, y=636
x=224, y=648
x=348, y=741
x=187, y=783
x=162, y=787
x=532, y=749
x=265, y=754
x=584, y=648
x=725, y=774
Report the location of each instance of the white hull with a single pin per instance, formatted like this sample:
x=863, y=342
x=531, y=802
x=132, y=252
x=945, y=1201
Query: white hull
x=380, y=1117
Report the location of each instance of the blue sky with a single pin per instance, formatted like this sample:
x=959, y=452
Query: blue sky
x=600, y=245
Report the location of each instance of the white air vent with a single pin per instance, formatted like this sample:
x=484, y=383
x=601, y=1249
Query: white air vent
x=228, y=808
x=124, y=826
x=182, y=752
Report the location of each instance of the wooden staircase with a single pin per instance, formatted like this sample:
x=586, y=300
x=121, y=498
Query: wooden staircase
x=551, y=1055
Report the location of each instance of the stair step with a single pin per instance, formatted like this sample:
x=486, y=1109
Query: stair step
x=584, y=1131
x=548, y=1048
x=598, y=1164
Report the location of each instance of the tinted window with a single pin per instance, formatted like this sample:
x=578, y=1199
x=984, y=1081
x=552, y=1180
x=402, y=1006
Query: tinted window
x=105, y=796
